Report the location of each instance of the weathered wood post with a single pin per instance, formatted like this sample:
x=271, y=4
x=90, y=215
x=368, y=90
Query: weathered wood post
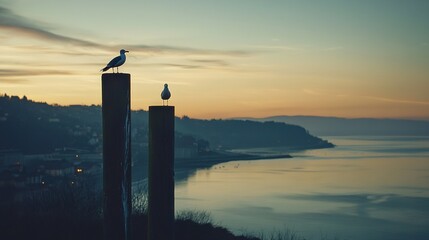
x=116, y=155
x=161, y=173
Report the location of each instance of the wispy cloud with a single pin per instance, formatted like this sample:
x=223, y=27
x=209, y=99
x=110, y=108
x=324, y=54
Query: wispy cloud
x=28, y=72
x=296, y=49
x=12, y=80
x=160, y=82
x=194, y=64
x=21, y=25
x=403, y=101
x=23, y=76
x=276, y=47
x=162, y=49
x=380, y=99
x=212, y=62
x=320, y=92
x=182, y=66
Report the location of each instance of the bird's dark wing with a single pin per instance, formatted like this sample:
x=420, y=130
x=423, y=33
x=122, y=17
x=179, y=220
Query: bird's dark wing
x=113, y=62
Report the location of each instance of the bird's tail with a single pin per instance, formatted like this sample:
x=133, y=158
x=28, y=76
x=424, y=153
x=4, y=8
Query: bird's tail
x=104, y=69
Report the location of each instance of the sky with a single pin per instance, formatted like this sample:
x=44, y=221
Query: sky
x=225, y=58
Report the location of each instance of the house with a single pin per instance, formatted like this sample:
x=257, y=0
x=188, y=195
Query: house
x=185, y=147
x=87, y=168
x=186, y=151
x=57, y=168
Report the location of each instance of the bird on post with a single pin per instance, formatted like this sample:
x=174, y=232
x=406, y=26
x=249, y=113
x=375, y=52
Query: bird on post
x=165, y=95
x=116, y=62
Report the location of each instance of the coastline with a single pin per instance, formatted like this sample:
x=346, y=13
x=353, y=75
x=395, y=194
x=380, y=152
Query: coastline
x=187, y=165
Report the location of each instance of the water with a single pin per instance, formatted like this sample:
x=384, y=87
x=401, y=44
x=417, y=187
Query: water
x=365, y=188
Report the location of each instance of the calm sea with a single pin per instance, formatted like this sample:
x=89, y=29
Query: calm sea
x=364, y=188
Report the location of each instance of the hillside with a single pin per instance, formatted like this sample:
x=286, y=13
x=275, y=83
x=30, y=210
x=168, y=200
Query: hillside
x=34, y=127
x=332, y=126
x=250, y=134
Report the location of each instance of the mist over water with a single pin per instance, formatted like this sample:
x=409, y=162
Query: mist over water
x=364, y=188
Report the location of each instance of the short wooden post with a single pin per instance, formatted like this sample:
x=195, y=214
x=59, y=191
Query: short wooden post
x=161, y=173
x=116, y=155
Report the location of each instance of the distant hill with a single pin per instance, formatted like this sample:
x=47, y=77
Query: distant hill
x=250, y=134
x=332, y=126
x=34, y=127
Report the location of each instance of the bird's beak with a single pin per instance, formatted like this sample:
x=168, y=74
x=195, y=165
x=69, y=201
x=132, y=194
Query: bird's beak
x=127, y=51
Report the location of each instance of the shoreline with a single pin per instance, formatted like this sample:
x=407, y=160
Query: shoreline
x=185, y=167
x=214, y=158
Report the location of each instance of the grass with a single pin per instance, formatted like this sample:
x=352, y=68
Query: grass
x=72, y=213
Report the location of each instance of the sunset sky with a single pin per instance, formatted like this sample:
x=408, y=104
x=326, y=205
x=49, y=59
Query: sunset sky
x=225, y=58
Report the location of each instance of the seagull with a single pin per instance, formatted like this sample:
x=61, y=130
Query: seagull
x=165, y=95
x=116, y=62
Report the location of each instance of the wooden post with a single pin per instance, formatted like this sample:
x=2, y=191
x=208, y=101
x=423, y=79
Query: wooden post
x=116, y=156
x=161, y=173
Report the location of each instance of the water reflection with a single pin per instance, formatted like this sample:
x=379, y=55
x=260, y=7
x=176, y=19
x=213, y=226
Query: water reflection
x=365, y=188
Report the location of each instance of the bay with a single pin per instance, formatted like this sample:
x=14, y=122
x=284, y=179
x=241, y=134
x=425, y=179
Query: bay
x=364, y=188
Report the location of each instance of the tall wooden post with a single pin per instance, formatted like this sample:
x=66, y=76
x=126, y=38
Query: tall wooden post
x=161, y=173
x=116, y=156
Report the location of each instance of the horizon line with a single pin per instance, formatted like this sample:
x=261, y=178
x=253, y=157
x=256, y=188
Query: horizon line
x=235, y=118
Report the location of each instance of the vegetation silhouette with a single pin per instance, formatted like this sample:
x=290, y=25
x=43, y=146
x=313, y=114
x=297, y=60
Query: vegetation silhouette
x=75, y=212
x=34, y=127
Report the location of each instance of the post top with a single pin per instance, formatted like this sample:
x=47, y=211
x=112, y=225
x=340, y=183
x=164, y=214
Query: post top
x=115, y=74
x=159, y=107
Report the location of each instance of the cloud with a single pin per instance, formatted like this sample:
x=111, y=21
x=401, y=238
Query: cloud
x=212, y=62
x=12, y=81
x=21, y=25
x=28, y=72
x=11, y=21
x=382, y=99
x=174, y=65
x=276, y=47
x=162, y=49
x=194, y=64
x=22, y=76
x=296, y=49
x=322, y=92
